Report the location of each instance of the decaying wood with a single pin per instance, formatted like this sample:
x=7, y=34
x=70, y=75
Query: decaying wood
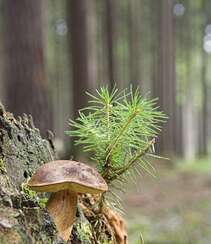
x=118, y=225
x=22, y=150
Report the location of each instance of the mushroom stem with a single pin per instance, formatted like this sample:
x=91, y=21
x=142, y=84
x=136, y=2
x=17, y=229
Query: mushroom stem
x=62, y=206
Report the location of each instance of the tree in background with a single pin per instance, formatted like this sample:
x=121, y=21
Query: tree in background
x=117, y=42
x=135, y=46
x=78, y=17
x=109, y=24
x=24, y=76
x=187, y=44
x=164, y=82
x=203, y=114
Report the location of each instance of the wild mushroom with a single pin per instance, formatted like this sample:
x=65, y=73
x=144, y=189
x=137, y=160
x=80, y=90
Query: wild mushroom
x=65, y=179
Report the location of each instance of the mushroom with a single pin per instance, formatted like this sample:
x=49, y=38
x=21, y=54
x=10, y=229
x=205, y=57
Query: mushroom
x=65, y=179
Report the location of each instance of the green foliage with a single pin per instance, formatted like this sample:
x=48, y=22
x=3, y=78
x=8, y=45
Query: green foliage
x=118, y=129
x=2, y=167
x=84, y=232
x=41, y=201
x=27, y=192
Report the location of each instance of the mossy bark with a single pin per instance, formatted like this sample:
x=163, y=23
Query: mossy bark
x=22, y=151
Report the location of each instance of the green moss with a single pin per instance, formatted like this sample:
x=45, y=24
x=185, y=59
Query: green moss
x=84, y=232
x=32, y=195
x=2, y=167
x=107, y=242
x=27, y=192
x=42, y=201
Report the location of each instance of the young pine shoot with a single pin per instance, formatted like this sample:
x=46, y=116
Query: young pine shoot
x=118, y=129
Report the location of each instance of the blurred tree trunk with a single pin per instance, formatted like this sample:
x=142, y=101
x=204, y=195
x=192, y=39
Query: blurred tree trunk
x=81, y=21
x=116, y=35
x=180, y=30
x=134, y=28
x=164, y=83
x=110, y=21
x=25, y=79
x=189, y=121
x=203, y=130
x=189, y=126
x=92, y=44
x=82, y=48
x=203, y=114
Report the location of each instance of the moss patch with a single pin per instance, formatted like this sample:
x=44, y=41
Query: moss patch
x=84, y=232
x=2, y=167
x=33, y=196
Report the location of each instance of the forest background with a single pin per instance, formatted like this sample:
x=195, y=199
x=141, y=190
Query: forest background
x=53, y=51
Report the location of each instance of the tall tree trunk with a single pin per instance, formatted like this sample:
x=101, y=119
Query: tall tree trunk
x=117, y=42
x=78, y=16
x=203, y=114
x=81, y=38
x=164, y=84
x=92, y=44
x=204, y=117
x=110, y=21
x=25, y=79
x=181, y=29
x=134, y=28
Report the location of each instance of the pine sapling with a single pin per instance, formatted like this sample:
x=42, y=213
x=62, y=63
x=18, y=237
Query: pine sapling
x=119, y=130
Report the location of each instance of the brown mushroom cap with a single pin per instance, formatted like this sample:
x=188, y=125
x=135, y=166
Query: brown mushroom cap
x=65, y=174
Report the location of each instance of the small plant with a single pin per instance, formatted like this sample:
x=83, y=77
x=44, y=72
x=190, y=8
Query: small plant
x=118, y=129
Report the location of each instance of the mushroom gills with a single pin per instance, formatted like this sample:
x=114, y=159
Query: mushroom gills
x=62, y=206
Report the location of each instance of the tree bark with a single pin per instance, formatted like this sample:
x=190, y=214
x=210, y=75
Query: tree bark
x=164, y=83
x=204, y=113
x=80, y=46
x=25, y=78
x=22, y=150
x=81, y=39
x=110, y=21
x=135, y=45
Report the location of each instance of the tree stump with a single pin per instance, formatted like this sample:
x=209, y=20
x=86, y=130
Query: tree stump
x=23, y=218
x=22, y=150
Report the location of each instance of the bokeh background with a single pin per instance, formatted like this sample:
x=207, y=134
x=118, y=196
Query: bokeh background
x=52, y=51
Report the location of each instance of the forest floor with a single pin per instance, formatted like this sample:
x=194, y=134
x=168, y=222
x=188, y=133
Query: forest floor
x=173, y=208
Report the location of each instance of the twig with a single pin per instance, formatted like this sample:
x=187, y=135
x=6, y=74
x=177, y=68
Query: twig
x=119, y=171
x=112, y=146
